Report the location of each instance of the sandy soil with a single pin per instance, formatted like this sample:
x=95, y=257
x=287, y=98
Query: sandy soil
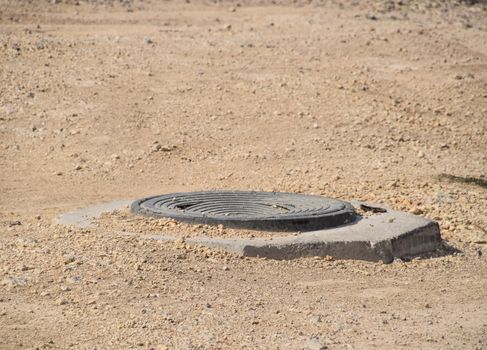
x=374, y=101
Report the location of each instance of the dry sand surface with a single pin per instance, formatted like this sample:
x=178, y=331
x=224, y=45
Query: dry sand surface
x=382, y=101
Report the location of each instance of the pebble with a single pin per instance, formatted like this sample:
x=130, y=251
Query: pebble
x=65, y=288
x=417, y=211
x=313, y=343
x=73, y=279
x=12, y=282
x=155, y=148
x=167, y=148
x=315, y=319
x=68, y=259
x=61, y=301
x=14, y=223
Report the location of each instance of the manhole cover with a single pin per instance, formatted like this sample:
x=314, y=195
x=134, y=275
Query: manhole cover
x=274, y=211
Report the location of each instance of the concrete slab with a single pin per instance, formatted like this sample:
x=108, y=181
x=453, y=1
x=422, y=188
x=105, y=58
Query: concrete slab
x=83, y=217
x=381, y=236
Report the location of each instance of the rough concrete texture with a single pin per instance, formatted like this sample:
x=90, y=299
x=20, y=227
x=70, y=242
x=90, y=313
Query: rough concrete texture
x=83, y=217
x=380, y=236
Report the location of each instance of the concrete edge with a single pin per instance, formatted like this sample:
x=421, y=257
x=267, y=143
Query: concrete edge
x=83, y=217
x=380, y=237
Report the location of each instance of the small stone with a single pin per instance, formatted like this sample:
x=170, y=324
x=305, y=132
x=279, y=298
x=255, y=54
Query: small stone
x=73, y=279
x=40, y=45
x=61, y=301
x=68, y=259
x=12, y=282
x=417, y=211
x=155, y=148
x=315, y=319
x=226, y=268
x=314, y=343
x=167, y=148
x=148, y=41
x=421, y=154
x=14, y=223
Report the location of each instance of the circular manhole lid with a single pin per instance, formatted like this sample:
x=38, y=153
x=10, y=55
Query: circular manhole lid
x=275, y=211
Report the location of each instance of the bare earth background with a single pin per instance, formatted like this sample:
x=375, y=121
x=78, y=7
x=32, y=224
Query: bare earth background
x=369, y=100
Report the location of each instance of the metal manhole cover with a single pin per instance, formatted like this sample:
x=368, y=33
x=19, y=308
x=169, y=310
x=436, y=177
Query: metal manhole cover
x=275, y=211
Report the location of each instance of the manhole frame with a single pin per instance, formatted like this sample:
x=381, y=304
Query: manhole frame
x=286, y=222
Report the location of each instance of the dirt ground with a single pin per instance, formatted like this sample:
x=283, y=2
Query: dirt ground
x=382, y=101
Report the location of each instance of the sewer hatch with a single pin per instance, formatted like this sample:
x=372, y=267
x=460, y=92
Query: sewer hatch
x=273, y=211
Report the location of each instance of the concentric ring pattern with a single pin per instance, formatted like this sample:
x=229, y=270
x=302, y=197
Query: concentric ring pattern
x=249, y=209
